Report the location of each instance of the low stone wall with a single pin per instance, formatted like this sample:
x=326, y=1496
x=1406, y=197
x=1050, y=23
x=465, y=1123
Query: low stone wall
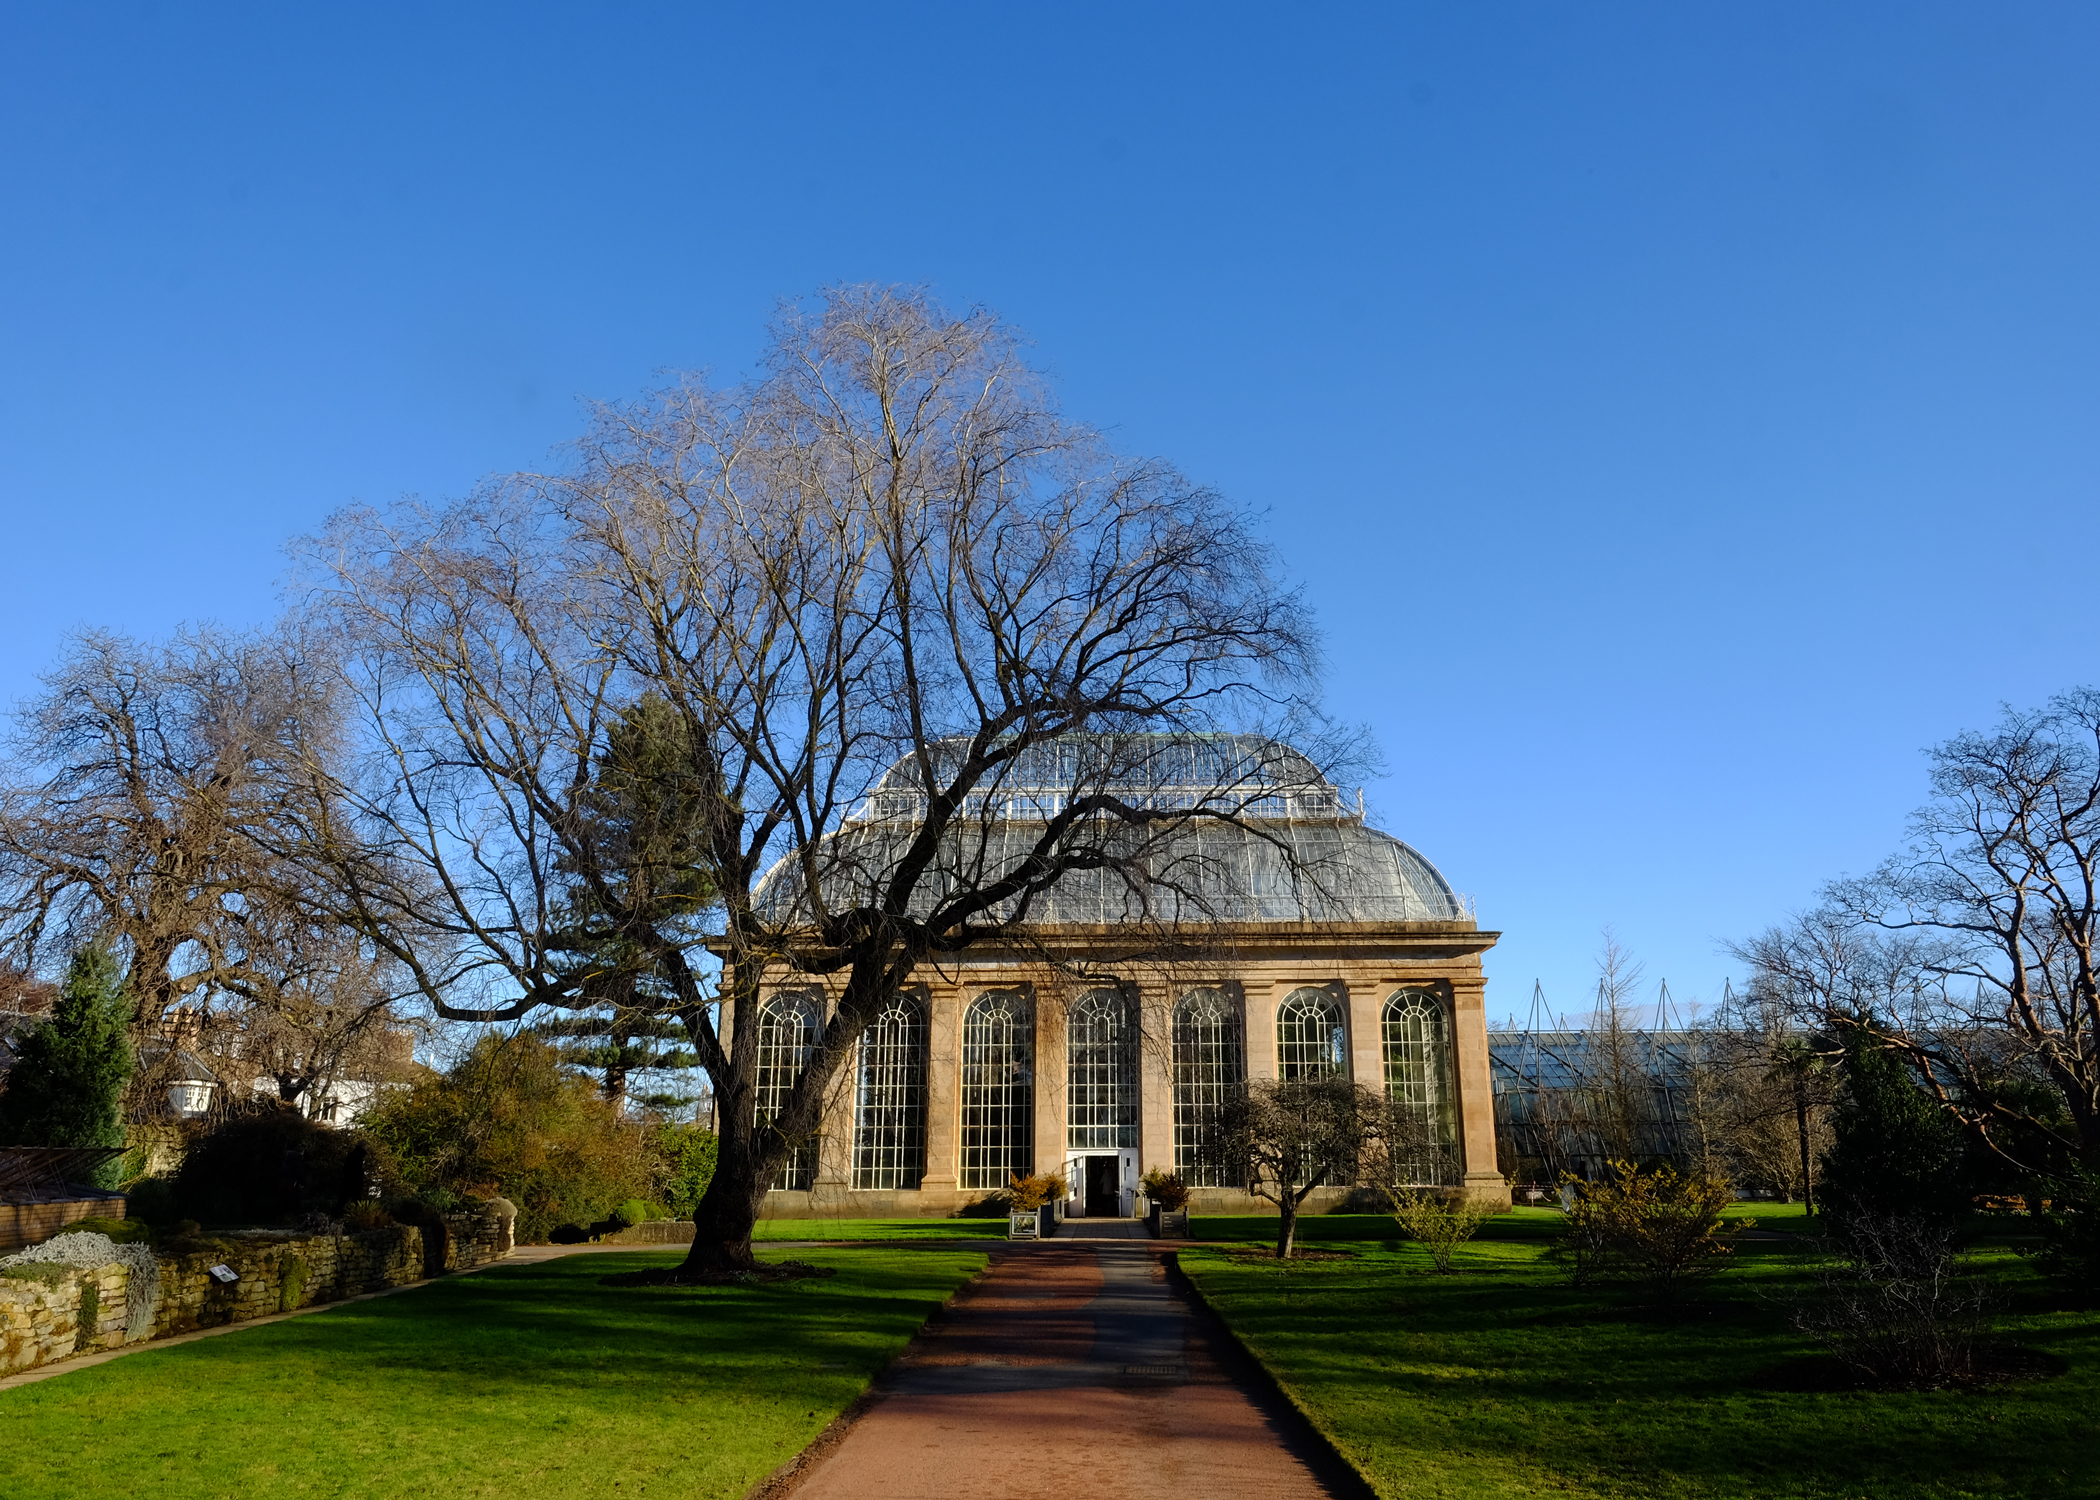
x=280, y=1273
x=40, y=1323
x=653, y=1232
x=277, y=1273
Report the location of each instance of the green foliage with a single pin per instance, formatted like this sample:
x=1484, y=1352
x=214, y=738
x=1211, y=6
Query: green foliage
x=152, y=1199
x=1166, y=1189
x=44, y=1273
x=365, y=1214
x=123, y=1231
x=2071, y=1229
x=272, y=1166
x=90, y=1311
x=67, y=1085
x=639, y=1211
x=1655, y=1224
x=1440, y=1223
x=687, y=1153
x=292, y=1283
x=509, y=1118
x=1026, y=1194
x=1895, y=1153
x=645, y=806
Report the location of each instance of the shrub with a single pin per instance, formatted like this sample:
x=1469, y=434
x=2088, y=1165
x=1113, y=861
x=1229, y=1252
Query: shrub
x=291, y=1283
x=687, y=1156
x=1167, y=1190
x=1894, y=1306
x=366, y=1214
x=509, y=1118
x=637, y=1211
x=1439, y=1223
x=1657, y=1225
x=151, y=1199
x=272, y=1166
x=89, y=1314
x=120, y=1231
x=42, y=1273
x=1026, y=1194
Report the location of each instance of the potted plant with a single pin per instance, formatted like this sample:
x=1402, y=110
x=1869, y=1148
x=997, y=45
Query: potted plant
x=1168, y=1217
x=1032, y=1205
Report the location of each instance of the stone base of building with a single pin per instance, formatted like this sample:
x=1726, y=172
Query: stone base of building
x=842, y=1203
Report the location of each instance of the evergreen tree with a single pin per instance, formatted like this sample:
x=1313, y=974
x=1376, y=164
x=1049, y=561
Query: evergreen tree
x=67, y=1085
x=1896, y=1153
x=646, y=801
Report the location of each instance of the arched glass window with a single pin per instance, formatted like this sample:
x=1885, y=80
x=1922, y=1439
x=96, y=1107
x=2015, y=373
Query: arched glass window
x=998, y=1090
x=1210, y=1066
x=889, y=1099
x=787, y=1035
x=1312, y=1040
x=1101, y=1073
x=1418, y=1081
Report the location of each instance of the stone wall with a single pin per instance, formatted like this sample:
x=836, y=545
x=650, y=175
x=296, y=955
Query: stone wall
x=278, y=1273
x=40, y=1323
x=281, y=1272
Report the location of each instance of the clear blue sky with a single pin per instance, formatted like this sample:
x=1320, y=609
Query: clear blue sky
x=1681, y=414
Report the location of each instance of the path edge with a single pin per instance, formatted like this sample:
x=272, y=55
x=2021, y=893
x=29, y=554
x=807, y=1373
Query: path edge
x=784, y=1480
x=1269, y=1379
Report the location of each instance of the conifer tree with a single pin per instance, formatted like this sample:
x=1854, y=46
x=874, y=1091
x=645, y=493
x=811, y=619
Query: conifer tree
x=1896, y=1153
x=67, y=1085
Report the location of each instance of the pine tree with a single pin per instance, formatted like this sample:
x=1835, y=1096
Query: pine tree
x=646, y=801
x=67, y=1085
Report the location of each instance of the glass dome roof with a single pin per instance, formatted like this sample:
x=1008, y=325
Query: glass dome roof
x=1291, y=853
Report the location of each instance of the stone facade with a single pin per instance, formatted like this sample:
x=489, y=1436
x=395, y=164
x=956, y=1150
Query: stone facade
x=278, y=1273
x=1361, y=965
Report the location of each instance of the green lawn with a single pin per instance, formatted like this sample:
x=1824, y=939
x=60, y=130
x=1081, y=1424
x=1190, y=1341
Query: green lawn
x=880, y=1229
x=519, y=1381
x=1503, y=1381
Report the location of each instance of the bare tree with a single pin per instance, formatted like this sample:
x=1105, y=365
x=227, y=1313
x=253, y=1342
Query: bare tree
x=1285, y=1137
x=157, y=801
x=1997, y=901
x=927, y=643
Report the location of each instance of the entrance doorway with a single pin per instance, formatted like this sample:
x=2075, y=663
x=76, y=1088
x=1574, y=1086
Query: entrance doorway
x=1104, y=1194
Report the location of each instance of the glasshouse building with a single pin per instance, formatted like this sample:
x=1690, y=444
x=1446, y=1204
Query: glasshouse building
x=1289, y=940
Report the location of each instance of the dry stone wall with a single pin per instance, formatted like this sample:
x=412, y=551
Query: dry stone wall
x=40, y=1318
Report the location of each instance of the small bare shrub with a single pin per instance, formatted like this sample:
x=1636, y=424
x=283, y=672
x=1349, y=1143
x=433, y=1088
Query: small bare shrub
x=1894, y=1306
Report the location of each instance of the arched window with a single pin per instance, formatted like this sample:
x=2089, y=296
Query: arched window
x=1312, y=1040
x=1210, y=1066
x=889, y=1099
x=1101, y=1073
x=1418, y=1081
x=998, y=1090
x=787, y=1034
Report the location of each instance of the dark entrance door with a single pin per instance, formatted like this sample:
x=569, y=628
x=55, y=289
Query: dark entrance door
x=1104, y=1199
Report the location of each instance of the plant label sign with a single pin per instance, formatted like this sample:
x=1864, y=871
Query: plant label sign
x=225, y=1275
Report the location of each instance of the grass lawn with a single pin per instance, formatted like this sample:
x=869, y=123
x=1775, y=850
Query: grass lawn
x=1504, y=1381
x=519, y=1381
x=879, y=1229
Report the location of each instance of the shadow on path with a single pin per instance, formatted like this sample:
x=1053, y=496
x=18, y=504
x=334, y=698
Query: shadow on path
x=1071, y=1367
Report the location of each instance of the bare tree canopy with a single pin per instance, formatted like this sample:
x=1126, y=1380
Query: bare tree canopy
x=896, y=605
x=159, y=799
x=1972, y=952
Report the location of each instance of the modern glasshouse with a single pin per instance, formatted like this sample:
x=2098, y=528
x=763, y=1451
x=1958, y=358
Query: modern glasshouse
x=1288, y=940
